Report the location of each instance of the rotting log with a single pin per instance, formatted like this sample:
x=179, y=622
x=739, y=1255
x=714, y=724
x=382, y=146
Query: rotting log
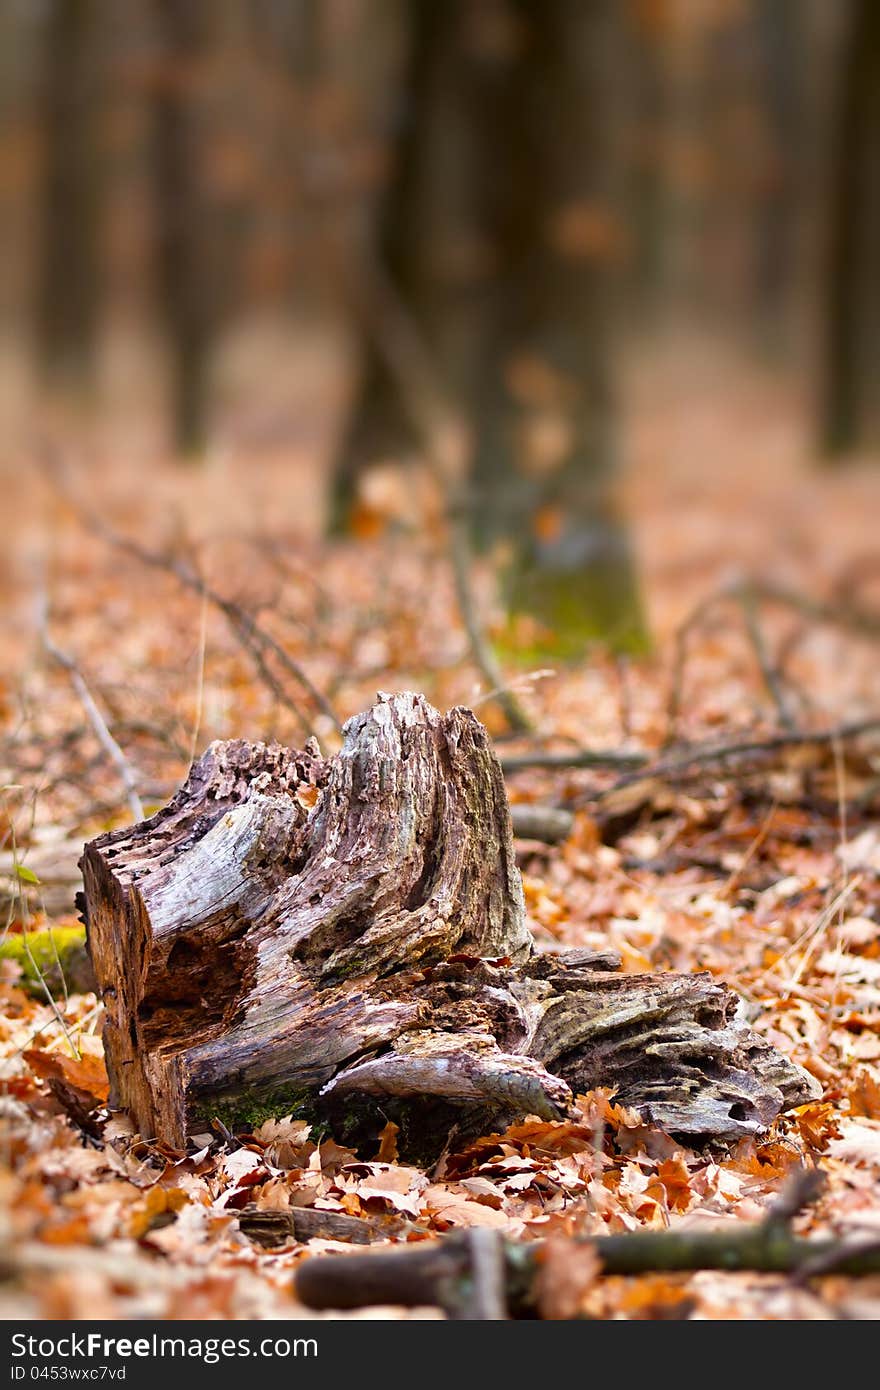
x=346, y=939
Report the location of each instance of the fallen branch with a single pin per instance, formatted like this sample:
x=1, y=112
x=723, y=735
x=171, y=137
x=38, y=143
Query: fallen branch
x=443, y=1273
x=696, y=756
x=438, y=422
x=861, y=622
x=272, y=1228
x=703, y=755
x=769, y=669
x=577, y=758
x=440, y=1273
x=749, y=594
x=481, y=650
x=550, y=824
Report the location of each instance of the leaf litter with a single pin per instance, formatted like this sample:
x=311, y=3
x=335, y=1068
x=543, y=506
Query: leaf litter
x=766, y=876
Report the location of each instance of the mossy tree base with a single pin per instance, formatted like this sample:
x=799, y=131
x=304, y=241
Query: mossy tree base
x=570, y=608
x=346, y=936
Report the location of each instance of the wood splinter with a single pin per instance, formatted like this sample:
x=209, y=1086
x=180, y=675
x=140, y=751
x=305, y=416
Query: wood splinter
x=346, y=937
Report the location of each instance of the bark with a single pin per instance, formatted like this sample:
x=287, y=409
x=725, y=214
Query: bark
x=850, y=377
x=501, y=235
x=346, y=938
x=444, y=1273
x=67, y=305
x=185, y=295
x=440, y=229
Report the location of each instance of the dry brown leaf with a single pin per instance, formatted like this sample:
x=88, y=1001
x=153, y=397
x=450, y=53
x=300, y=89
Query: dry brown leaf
x=388, y=1143
x=859, y=1142
x=86, y=1073
x=567, y=1273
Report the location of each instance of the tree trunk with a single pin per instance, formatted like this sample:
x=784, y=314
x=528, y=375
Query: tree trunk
x=68, y=288
x=347, y=939
x=439, y=230
x=851, y=380
x=185, y=295
x=549, y=451
x=500, y=233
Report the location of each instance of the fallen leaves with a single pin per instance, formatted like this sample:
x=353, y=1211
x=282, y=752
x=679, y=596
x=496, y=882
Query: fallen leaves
x=85, y=1074
x=739, y=873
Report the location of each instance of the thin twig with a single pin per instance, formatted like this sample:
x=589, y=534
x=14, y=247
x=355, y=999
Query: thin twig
x=802, y=1189
x=256, y=640
x=577, y=758
x=703, y=754
x=749, y=600
x=481, y=650
x=127, y=774
x=861, y=622
x=200, y=679
x=749, y=593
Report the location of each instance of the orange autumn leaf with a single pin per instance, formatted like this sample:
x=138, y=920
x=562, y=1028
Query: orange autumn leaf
x=388, y=1143
x=159, y=1202
x=864, y=1094
x=656, y=1296
x=86, y=1073
x=818, y=1123
x=75, y=1231
x=672, y=1181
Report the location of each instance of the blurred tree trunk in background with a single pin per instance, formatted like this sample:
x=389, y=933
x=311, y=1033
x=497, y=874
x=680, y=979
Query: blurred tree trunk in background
x=851, y=364
x=646, y=122
x=433, y=232
x=183, y=234
x=21, y=54
x=547, y=471
x=780, y=97
x=501, y=232
x=68, y=289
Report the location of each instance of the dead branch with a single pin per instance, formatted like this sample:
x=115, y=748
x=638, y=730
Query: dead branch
x=272, y=1228
x=704, y=755
x=447, y=444
x=749, y=594
x=578, y=758
x=697, y=756
x=549, y=824
x=769, y=671
x=441, y=1273
x=481, y=650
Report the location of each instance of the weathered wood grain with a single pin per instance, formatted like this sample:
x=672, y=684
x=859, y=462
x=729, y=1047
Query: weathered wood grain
x=298, y=933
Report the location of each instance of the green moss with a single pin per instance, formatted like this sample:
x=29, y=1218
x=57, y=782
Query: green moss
x=55, y=956
x=572, y=611
x=249, y=1109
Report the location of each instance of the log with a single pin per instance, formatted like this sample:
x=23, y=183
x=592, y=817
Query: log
x=443, y=1272
x=273, y=1228
x=345, y=938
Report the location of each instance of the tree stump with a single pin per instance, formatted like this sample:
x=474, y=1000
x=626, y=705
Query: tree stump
x=347, y=938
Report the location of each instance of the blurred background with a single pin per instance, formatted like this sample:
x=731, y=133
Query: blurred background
x=495, y=261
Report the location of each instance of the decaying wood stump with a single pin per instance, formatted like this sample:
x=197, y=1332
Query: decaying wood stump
x=348, y=936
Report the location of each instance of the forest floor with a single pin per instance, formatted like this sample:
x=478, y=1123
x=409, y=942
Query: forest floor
x=763, y=870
